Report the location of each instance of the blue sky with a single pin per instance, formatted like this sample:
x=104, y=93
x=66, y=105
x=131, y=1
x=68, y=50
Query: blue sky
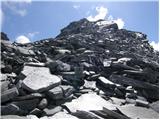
x=39, y=20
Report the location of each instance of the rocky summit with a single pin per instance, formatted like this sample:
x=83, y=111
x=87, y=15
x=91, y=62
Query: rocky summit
x=91, y=70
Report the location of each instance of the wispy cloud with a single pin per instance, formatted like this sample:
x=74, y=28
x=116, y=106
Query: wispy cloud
x=76, y=6
x=31, y=35
x=26, y=38
x=17, y=7
x=155, y=45
x=102, y=13
x=22, y=39
x=119, y=22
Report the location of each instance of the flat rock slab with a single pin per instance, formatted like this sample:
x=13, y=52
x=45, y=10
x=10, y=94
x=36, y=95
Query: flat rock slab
x=4, y=86
x=9, y=94
x=11, y=109
x=117, y=101
x=105, y=80
x=36, y=112
x=27, y=105
x=87, y=102
x=61, y=115
x=51, y=110
x=59, y=66
x=85, y=115
x=155, y=106
x=138, y=112
x=35, y=64
x=135, y=83
x=13, y=117
x=89, y=84
x=39, y=79
x=60, y=92
x=29, y=97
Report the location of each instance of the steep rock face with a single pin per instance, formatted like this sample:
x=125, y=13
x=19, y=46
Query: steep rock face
x=4, y=36
x=97, y=58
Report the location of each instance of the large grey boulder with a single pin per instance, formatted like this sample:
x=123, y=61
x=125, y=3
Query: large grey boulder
x=38, y=79
x=58, y=66
x=25, y=52
x=60, y=92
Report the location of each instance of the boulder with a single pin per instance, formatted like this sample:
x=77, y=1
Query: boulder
x=3, y=77
x=35, y=64
x=86, y=65
x=142, y=103
x=76, y=78
x=63, y=51
x=9, y=94
x=117, y=101
x=13, y=117
x=106, y=85
x=24, y=52
x=4, y=36
x=130, y=101
x=131, y=95
x=60, y=92
x=62, y=115
x=105, y=80
x=85, y=115
x=4, y=86
x=70, y=76
x=11, y=109
x=132, y=82
x=114, y=114
x=19, y=108
x=36, y=112
x=29, y=97
x=32, y=117
x=43, y=104
x=136, y=112
x=90, y=85
x=7, y=69
x=58, y=66
x=38, y=79
x=51, y=110
x=119, y=93
x=86, y=103
x=7, y=46
x=155, y=106
x=107, y=63
x=27, y=105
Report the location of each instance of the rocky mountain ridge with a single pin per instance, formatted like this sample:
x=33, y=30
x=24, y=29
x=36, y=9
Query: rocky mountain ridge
x=56, y=76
